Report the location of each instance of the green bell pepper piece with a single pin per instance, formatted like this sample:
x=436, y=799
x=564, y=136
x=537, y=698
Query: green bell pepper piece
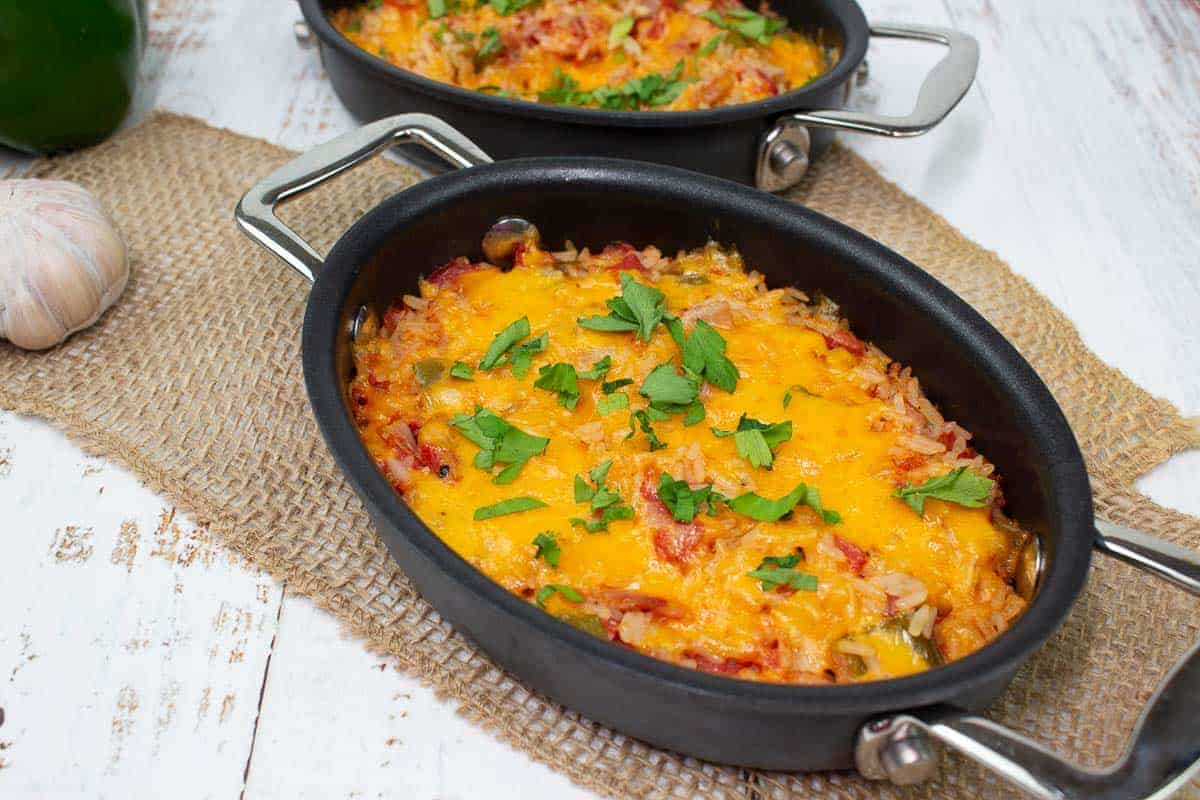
x=68, y=69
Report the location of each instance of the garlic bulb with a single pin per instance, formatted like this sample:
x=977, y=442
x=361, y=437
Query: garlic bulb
x=62, y=262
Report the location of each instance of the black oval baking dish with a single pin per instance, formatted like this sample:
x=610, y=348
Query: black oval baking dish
x=885, y=727
x=766, y=143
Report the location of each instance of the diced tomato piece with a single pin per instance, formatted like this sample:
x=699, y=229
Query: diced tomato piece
x=853, y=553
x=433, y=458
x=658, y=26
x=847, y=341
x=624, y=601
x=377, y=383
x=677, y=543
x=720, y=666
x=630, y=263
x=450, y=272
x=392, y=317
x=912, y=462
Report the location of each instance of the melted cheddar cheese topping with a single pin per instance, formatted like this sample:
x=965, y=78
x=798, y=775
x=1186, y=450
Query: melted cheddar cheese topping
x=896, y=591
x=617, y=54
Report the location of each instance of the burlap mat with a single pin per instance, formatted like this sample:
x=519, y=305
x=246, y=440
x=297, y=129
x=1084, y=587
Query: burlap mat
x=193, y=381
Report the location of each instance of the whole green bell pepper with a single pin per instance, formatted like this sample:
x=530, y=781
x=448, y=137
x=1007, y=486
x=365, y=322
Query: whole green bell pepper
x=68, y=69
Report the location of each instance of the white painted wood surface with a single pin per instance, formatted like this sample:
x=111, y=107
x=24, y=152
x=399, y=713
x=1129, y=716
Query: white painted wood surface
x=139, y=659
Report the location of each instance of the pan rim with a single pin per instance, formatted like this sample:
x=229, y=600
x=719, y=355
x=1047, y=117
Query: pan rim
x=848, y=15
x=1070, y=490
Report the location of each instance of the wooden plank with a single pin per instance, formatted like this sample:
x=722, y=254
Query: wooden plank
x=132, y=646
x=337, y=720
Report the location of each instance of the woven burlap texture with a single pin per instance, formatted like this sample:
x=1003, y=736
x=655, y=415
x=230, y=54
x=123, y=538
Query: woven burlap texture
x=193, y=381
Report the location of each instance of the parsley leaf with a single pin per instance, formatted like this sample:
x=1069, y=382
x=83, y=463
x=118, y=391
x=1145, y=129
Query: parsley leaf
x=642, y=418
x=601, y=498
x=490, y=44
x=437, y=8
x=653, y=89
x=609, y=403
x=704, y=353
x=756, y=440
x=619, y=31
x=462, y=371
x=503, y=342
x=639, y=308
x=747, y=23
x=564, y=379
x=499, y=443
x=560, y=378
x=599, y=370
x=776, y=571
x=959, y=486
x=608, y=387
x=547, y=548
x=548, y=590
x=610, y=513
x=683, y=501
x=512, y=505
x=710, y=45
x=506, y=7
x=766, y=510
x=662, y=385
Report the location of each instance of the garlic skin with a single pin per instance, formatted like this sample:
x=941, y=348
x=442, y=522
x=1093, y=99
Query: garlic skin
x=62, y=263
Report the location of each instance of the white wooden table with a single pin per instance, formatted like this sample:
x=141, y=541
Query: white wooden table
x=139, y=659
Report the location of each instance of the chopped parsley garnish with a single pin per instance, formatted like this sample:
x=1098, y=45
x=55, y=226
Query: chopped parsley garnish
x=639, y=308
x=619, y=31
x=564, y=379
x=600, y=498
x=499, y=443
x=747, y=23
x=959, y=486
x=642, y=419
x=683, y=501
x=489, y=44
x=764, y=509
x=599, y=369
x=507, y=7
x=505, y=349
x=609, y=514
x=756, y=440
x=437, y=8
x=710, y=45
x=512, y=505
x=606, y=404
x=654, y=89
x=704, y=353
x=779, y=571
x=547, y=548
x=504, y=342
x=462, y=371
x=566, y=592
x=664, y=386
x=608, y=387
x=560, y=378
x=793, y=391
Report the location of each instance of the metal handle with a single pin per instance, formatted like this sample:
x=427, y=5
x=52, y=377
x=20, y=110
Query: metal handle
x=256, y=210
x=1164, y=751
x=783, y=153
